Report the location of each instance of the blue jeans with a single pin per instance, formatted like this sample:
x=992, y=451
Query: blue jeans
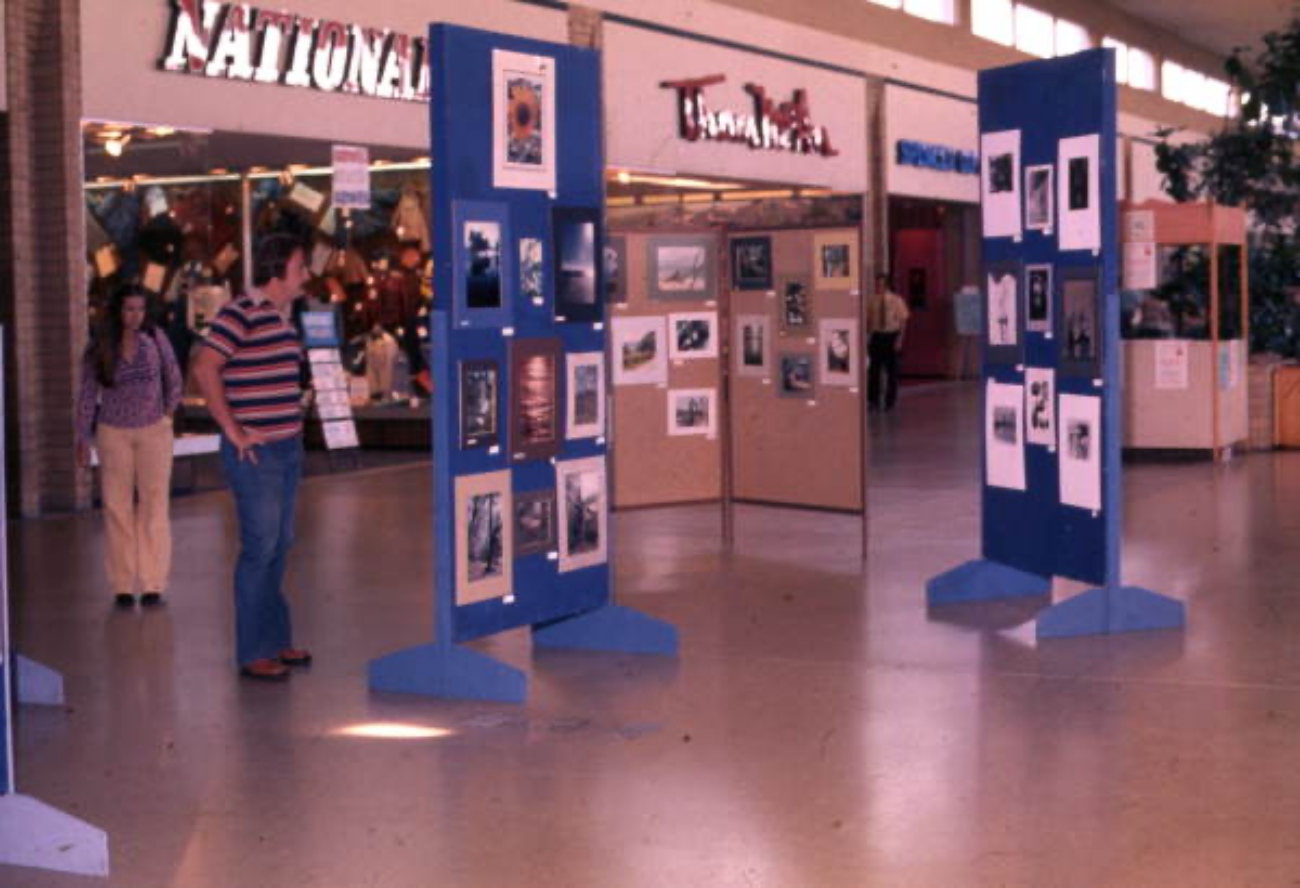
x=265, y=493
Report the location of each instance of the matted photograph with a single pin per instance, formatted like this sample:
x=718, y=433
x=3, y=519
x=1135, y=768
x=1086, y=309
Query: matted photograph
x=483, y=268
x=693, y=412
x=1079, y=451
x=796, y=376
x=1040, y=406
x=575, y=232
x=1002, y=314
x=615, y=269
x=1078, y=193
x=837, y=346
x=639, y=349
x=523, y=114
x=1079, y=326
x=585, y=386
x=534, y=398
x=484, y=537
x=796, y=305
x=534, y=512
x=751, y=263
x=531, y=269
x=1000, y=183
x=835, y=260
x=584, y=510
x=1038, y=198
x=1038, y=298
x=753, y=345
x=693, y=335
x=1004, y=440
x=681, y=267
x=480, y=386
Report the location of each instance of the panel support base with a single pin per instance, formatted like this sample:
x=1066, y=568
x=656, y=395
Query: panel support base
x=37, y=684
x=1108, y=611
x=33, y=834
x=984, y=580
x=447, y=670
x=609, y=628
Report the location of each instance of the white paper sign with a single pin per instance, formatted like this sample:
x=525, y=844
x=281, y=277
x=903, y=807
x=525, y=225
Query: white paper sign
x=351, y=177
x=1140, y=265
x=1004, y=435
x=1080, y=451
x=1171, y=364
x=1139, y=225
x=1040, y=405
x=1000, y=183
x=1078, y=193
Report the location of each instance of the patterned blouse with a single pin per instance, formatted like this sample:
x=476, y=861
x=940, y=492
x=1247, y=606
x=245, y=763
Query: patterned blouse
x=144, y=389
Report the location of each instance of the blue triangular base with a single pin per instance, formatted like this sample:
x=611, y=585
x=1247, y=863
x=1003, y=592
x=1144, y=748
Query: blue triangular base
x=1106, y=611
x=609, y=628
x=984, y=580
x=441, y=670
x=33, y=834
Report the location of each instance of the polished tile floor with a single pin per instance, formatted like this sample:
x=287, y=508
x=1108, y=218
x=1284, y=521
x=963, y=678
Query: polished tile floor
x=820, y=727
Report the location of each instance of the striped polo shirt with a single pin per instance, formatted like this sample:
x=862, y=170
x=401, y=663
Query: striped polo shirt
x=261, y=373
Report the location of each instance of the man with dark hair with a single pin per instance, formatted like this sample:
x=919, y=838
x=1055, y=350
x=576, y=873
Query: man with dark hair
x=886, y=322
x=249, y=372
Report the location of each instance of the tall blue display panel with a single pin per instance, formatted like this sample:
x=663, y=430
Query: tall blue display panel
x=1051, y=503
x=521, y=526
x=32, y=834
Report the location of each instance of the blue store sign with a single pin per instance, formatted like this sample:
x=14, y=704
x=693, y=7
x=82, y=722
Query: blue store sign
x=938, y=157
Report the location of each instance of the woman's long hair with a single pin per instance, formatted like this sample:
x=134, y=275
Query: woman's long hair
x=105, y=349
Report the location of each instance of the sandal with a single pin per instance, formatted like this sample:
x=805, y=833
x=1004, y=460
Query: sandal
x=265, y=670
x=295, y=657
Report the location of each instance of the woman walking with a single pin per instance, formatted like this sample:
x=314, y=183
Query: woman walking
x=130, y=386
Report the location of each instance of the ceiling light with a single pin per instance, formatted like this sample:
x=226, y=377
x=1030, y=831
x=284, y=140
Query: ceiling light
x=114, y=147
x=163, y=132
x=391, y=731
x=624, y=177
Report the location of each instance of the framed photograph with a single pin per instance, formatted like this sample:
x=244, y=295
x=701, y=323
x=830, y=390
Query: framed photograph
x=751, y=263
x=1079, y=451
x=531, y=270
x=838, y=349
x=693, y=335
x=797, y=376
x=535, y=366
x=1038, y=198
x=1002, y=312
x=575, y=233
x=693, y=412
x=480, y=387
x=1078, y=193
x=796, y=304
x=835, y=260
x=753, y=345
x=615, y=269
x=482, y=267
x=1038, y=298
x=585, y=385
x=584, y=512
x=681, y=267
x=1079, y=327
x=639, y=349
x=534, y=512
x=1004, y=435
x=1000, y=183
x=484, y=535
x=523, y=121
x=1040, y=406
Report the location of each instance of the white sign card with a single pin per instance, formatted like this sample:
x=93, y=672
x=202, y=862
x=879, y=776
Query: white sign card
x=340, y=434
x=1000, y=183
x=1040, y=406
x=1139, y=225
x=351, y=177
x=1080, y=451
x=1140, y=265
x=1171, y=364
x=1078, y=193
x=1004, y=435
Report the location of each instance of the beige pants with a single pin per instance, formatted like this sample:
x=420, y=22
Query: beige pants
x=139, y=536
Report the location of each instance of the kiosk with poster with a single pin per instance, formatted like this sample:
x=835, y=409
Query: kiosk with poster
x=1050, y=327
x=518, y=328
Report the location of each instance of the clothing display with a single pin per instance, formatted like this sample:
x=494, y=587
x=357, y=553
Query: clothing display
x=381, y=354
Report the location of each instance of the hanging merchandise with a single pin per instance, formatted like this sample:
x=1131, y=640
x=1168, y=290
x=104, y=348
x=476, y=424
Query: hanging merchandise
x=410, y=221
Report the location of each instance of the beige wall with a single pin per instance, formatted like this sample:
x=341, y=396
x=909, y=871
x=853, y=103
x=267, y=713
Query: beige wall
x=938, y=120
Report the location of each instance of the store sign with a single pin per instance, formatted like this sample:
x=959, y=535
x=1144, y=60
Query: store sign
x=938, y=157
x=768, y=125
x=351, y=165
x=238, y=41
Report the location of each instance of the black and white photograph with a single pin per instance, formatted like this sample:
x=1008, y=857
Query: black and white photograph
x=530, y=269
x=615, y=269
x=1078, y=439
x=1079, y=183
x=583, y=512
x=484, y=280
x=1000, y=183
x=482, y=271
x=577, y=297
x=586, y=395
x=523, y=110
x=1080, y=332
x=639, y=350
x=796, y=376
x=753, y=345
x=693, y=335
x=838, y=347
x=1038, y=198
x=751, y=263
x=681, y=267
x=1038, y=298
x=692, y=412
x=1002, y=298
x=835, y=260
x=1080, y=451
x=534, y=522
x=484, y=537
x=1006, y=424
x=796, y=305
x=1078, y=193
x=479, y=387
x=1004, y=445
x=1002, y=173
x=1040, y=406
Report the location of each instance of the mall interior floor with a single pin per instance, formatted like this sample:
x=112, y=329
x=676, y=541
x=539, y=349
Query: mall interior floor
x=819, y=728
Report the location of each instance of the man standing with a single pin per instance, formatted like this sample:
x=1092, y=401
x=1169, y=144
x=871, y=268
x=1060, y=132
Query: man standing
x=886, y=322
x=249, y=374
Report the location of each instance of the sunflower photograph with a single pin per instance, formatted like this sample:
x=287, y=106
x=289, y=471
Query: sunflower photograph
x=524, y=134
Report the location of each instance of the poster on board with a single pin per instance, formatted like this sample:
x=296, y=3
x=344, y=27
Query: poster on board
x=1040, y=406
x=1000, y=183
x=1079, y=429
x=1078, y=186
x=1004, y=435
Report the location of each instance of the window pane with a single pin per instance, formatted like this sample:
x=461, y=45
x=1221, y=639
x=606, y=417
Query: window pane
x=1141, y=69
x=992, y=20
x=1070, y=38
x=1121, y=57
x=1171, y=81
x=1034, y=31
x=934, y=10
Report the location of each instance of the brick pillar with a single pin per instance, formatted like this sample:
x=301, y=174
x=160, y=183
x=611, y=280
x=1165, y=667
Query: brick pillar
x=585, y=27
x=44, y=305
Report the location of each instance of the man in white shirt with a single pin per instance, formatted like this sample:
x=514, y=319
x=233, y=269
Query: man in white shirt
x=886, y=323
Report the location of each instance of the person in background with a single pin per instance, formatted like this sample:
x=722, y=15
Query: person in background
x=248, y=369
x=130, y=387
x=886, y=323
